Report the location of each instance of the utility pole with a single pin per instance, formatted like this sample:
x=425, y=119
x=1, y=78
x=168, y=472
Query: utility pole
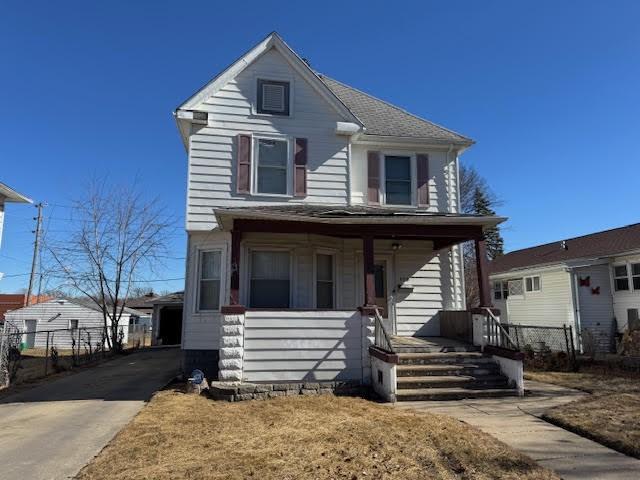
x=36, y=251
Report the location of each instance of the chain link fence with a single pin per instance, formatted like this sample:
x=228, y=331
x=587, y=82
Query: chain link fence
x=28, y=355
x=545, y=347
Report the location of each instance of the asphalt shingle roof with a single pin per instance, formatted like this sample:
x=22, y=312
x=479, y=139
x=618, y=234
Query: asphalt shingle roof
x=385, y=119
x=595, y=245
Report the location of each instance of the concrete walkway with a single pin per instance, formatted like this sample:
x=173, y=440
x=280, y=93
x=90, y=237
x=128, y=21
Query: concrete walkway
x=515, y=421
x=53, y=430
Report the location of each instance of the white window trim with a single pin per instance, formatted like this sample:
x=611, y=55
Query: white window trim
x=533, y=291
x=246, y=283
x=255, y=160
x=383, y=177
x=629, y=277
x=223, y=274
x=274, y=78
x=333, y=254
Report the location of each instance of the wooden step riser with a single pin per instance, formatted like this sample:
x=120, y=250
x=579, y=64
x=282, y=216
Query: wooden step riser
x=436, y=396
x=477, y=384
x=471, y=371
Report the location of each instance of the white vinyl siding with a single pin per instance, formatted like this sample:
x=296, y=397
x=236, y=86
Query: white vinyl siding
x=551, y=306
x=62, y=315
x=309, y=346
x=212, y=148
x=625, y=299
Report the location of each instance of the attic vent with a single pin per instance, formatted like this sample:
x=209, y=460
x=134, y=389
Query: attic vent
x=202, y=116
x=564, y=245
x=273, y=97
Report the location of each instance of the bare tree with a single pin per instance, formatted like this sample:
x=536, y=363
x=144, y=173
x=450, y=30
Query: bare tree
x=119, y=235
x=473, y=186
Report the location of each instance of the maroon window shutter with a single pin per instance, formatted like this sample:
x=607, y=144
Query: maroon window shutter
x=423, y=179
x=300, y=173
x=244, y=163
x=373, y=175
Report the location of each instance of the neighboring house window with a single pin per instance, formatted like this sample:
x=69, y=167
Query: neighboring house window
x=325, y=284
x=273, y=97
x=635, y=275
x=515, y=287
x=500, y=291
x=270, y=284
x=209, y=281
x=73, y=324
x=620, y=278
x=397, y=183
x=272, y=166
x=532, y=284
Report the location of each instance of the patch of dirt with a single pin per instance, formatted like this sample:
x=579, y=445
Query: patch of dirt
x=325, y=437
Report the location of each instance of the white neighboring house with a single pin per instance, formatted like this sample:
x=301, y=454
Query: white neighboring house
x=591, y=283
x=7, y=195
x=309, y=204
x=65, y=316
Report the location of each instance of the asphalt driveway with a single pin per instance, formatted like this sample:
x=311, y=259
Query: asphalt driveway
x=53, y=430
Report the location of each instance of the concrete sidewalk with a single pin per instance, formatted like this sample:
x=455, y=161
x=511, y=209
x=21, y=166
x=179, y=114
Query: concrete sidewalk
x=515, y=421
x=51, y=431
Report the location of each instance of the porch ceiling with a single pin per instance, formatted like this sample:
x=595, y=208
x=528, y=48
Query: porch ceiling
x=342, y=221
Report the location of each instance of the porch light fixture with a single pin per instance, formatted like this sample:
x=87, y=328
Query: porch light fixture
x=396, y=246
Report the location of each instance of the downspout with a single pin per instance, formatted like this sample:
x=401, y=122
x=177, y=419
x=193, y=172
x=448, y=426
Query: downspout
x=349, y=164
x=576, y=309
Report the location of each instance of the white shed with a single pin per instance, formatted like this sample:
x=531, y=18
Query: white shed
x=63, y=318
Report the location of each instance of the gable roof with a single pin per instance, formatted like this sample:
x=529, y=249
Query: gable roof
x=596, y=245
x=376, y=116
x=10, y=195
x=382, y=118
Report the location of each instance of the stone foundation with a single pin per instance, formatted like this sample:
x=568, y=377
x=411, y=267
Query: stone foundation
x=237, y=392
x=205, y=360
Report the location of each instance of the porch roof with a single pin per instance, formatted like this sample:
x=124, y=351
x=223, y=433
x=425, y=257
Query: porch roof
x=351, y=215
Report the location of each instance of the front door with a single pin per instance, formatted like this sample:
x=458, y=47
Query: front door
x=30, y=328
x=382, y=294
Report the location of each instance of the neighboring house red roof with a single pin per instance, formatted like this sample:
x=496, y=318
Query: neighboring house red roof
x=13, y=301
x=596, y=245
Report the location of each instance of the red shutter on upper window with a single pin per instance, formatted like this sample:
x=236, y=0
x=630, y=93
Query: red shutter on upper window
x=423, y=179
x=300, y=170
x=244, y=163
x=373, y=177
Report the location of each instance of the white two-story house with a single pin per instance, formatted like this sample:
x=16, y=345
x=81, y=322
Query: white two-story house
x=310, y=203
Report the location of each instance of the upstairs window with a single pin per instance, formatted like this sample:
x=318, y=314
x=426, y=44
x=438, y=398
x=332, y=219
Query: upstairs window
x=270, y=284
x=324, y=281
x=209, y=281
x=273, y=97
x=397, y=173
x=620, y=278
x=532, y=284
x=272, y=166
x=635, y=275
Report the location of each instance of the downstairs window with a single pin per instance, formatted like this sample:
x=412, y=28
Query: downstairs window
x=270, y=279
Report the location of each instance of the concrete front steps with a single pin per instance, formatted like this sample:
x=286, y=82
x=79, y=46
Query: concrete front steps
x=449, y=375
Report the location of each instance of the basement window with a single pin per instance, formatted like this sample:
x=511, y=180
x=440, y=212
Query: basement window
x=620, y=278
x=273, y=97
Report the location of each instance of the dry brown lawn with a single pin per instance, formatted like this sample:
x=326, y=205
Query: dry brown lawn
x=324, y=437
x=610, y=416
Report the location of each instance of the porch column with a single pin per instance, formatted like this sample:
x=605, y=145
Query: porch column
x=236, y=236
x=369, y=271
x=483, y=274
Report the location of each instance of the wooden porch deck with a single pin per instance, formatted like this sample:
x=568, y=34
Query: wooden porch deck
x=429, y=345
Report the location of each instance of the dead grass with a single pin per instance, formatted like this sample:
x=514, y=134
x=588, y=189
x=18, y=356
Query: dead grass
x=611, y=416
x=325, y=437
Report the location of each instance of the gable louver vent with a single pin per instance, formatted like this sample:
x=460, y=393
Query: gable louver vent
x=273, y=97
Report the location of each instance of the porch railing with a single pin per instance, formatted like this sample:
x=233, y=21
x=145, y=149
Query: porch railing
x=382, y=339
x=497, y=336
